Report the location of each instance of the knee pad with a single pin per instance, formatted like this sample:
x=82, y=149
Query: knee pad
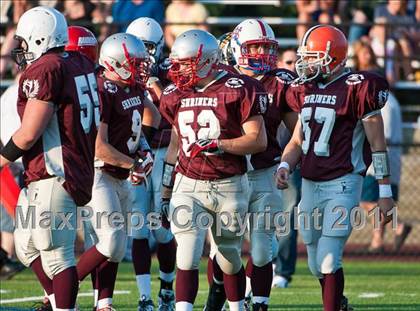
x=113, y=246
x=261, y=248
x=163, y=235
x=58, y=259
x=24, y=252
x=312, y=260
x=329, y=254
x=187, y=260
x=229, y=259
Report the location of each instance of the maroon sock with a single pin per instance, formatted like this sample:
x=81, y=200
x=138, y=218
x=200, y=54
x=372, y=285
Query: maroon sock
x=166, y=255
x=186, y=285
x=261, y=280
x=46, y=282
x=217, y=271
x=94, y=279
x=106, y=277
x=65, y=286
x=333, y=290
x=88, y=262
x=321, y=282
x=235, y=285
x=141, y=256
x=210, y=271
x=249, y=267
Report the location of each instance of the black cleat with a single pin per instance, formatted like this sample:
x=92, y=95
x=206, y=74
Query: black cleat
x=216, y=298
x=42, y=306
x=259, y=307
x=10, y=268
x=345, y=304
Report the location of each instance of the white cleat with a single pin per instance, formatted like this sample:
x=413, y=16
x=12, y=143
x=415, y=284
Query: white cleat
x=280, y=282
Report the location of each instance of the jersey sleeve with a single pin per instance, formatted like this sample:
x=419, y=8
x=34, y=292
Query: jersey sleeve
x=291, y=96
x=372, y=96
x=105, y=106
x=254, y=100
x=43, y=81
x=167, y=107
x=283, y=80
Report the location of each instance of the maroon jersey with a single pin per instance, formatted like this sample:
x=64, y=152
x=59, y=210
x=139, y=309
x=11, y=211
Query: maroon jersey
x=122, y=109
x=66, y=147
x=217, y=112
x=331, y=115
x=275, y=83
x=162, y=136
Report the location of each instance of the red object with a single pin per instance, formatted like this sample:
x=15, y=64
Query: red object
x=10, y=190
x=83, y=40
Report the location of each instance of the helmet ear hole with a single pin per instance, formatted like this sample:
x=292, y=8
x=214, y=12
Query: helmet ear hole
x=38, y=42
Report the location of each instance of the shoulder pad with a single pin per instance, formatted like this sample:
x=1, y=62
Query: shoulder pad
x=110, y=87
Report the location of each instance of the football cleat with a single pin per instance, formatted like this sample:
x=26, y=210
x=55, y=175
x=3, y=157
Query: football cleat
x=216, y=298
x=45, y=305
x=248, y=303
x=259, y=307
x=107, y=308
x=345, y=304
x=166, y=300
x=145, y=304
x=10, y=268
x=280, y=282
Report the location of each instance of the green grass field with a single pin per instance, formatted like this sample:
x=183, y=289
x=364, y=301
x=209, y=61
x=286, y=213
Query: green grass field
x=369, y=286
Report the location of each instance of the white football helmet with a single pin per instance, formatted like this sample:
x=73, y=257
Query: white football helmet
x=127, y=57
x=194, y=56
x=149, y=31
x=257, y=33
x=226, y=50
x=39, y=29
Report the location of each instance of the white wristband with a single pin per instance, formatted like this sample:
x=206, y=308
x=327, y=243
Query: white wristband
x=385, y=191
x=284, y=165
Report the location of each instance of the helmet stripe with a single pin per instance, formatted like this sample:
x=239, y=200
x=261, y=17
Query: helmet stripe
x=262, y=27
x=305, y=37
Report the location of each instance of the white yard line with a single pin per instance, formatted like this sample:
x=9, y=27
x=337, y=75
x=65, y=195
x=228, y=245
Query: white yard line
x=35, y=298
x=371, y=295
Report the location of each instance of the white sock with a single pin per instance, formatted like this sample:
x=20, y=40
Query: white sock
x=51, y=298
x=248, y=288
x=143, y=284
x=260, y=299
x=183, y=306
x=236, y=305
x=167, y=277
x=95, y=297
x=104, y=302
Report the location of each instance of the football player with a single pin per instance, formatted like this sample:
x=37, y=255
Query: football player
x=121, y=151
x=149, y=199
x=216, y=119
x=57, y=103
x=339, y=132
x=254, y=49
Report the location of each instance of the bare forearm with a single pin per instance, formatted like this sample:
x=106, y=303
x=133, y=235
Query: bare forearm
x=108, y=154
x=291, y=154
x=246, y=144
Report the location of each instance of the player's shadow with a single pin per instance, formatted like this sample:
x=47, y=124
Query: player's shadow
x=367, y=307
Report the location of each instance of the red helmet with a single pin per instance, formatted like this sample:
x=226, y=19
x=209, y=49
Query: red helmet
x=322, y=52
x=83, y=40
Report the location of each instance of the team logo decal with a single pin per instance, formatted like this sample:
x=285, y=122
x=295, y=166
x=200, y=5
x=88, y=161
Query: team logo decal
x=382, y=97
x=234, y=83
x=169, y=89
x=263, y=100
x=30, y=88
x=110, y=87
x=284, y=77
x=354, y=79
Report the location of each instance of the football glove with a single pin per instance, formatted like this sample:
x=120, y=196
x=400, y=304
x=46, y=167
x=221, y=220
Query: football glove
x=142, y=167
x=204, y=145
x=164, y=207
